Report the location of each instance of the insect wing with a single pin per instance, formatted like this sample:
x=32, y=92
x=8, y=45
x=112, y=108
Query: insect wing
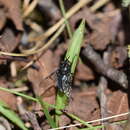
x=67, y=84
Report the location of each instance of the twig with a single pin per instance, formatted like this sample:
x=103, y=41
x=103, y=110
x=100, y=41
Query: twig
x=99, y=4
x=10, y=58
x=30, y=8
x=32, y=118
x=21, y=89
x=28, y=116
x=51, y=30
x=4, y=123
x=25, y=4
x=93, y=121
x=115, y=75
x=61, y=3
x=43, y=48
x=103, y=98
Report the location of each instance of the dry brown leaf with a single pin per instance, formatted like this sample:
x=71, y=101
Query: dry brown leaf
x=117, y=104
x=8, y=40
x=105, y=30
x=42, y=86
x=113, y=127
x=64, y=120
x=13, y=12
x=84, y=72
x=83, y=105
x=118, y=56
x=103, y=27
x=7, y=97
x=2, y=18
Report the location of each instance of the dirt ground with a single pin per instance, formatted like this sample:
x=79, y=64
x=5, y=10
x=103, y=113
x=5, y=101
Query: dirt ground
x=100, y=84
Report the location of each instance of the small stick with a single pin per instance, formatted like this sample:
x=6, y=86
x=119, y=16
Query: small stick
x=115, y=75
x=28, y=116
x=103, y=99
x=4, y=123
x=10, y=58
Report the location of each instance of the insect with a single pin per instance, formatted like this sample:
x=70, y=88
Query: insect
x=65, y=77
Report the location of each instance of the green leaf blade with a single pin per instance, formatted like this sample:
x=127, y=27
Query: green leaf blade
x=72, y=55
x=75, y=46
x=12, y=116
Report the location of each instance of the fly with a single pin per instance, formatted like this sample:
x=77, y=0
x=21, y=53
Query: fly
x=65, y=77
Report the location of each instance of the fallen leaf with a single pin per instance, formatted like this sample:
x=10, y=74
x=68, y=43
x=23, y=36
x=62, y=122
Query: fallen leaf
x=84, y=72
x=84, y=105
x=7, y=97
x=8, y=41
x=2, y=18
x=43, y=86
x=13, y=12
x=117, y=104
x=104, y=30
x=118, y=56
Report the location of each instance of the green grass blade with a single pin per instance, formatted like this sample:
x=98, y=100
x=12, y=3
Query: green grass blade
x=47, y=114
x=26, y=96
x=19, y=94
x=75, y=46
x=105, y=126
x=78, y=119
x=61, y=102
x=125, y=3
x=3, y=104
x=72, y=55
x=66, y=20
x=11, y=115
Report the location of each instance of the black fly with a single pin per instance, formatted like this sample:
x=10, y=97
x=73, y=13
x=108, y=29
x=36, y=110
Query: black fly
x=65, y=77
